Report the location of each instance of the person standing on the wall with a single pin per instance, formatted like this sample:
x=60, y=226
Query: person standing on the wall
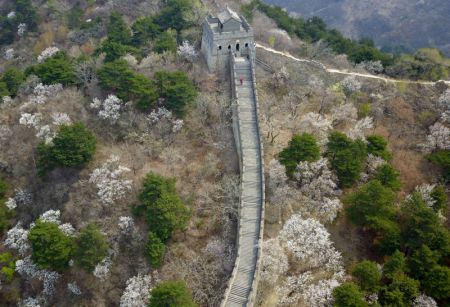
x=241, y=80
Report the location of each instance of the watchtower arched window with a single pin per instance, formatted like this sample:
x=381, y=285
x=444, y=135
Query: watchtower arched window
x=246, y=45
x=220, y=47
x=237, y=47
x=229, y=47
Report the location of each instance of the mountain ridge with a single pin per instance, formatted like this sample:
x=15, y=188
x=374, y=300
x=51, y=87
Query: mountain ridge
x=398, y=25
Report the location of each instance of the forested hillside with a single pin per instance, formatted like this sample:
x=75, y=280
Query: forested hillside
x=117, y=170
x=119, y=177
x=399, y=25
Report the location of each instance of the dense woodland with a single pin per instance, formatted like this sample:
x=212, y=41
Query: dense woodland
x=119, y=179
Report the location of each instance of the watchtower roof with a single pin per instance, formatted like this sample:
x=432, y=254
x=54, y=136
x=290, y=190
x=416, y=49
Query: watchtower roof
x=228, y=14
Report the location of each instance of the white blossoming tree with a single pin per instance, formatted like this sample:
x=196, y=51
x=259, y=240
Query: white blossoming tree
x=359, y=129
x=109, y=109
x=281, y=193
x=309, y=242
x=17, y=238
x=375, y=67
x=11, y=15
x=42, y=92
x=61, y=119
x=109, y=181
x=11, y=203
x=47, y=53
x=424, y=301
x=52, y=216
x=274, y=262
x=30, y=302
x=316, y=180
x=31, y=120
x=28, y=269
x=9, y=54
x=350, y=85
x=73, y=288
x=444, y=105
x=164, y=120
x=68, y=229
x=136, y=294
x=187, y=52
x=373, y=162
x=344, y=113
x=317, y=125
x=321, y=293
x=318, y=184
x=291, y=290
x=425, y=191
x=126, y=225
x=21, y=29
x=102, y=269
x=438, y=138
x=23, y=197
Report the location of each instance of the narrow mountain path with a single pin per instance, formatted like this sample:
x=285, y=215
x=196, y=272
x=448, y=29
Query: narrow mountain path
x=345, y=72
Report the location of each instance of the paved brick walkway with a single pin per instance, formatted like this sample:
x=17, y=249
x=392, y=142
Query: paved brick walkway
x=251, y=189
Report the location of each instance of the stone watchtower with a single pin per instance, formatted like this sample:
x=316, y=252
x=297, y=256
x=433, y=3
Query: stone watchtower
x=226, y=34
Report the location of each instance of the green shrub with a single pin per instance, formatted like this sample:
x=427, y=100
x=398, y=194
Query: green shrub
x=437, y=282
x=171, y=294
x=91, y=248
x=368, y=276
x=407, y=286
x=8, y=265
x=51, y=248
x=114, y=50
x=371, y=207
x=440, y=198
x=395, y=265
x=166, y=41
x=388, y=176
x=348, y=295
x=364, y=110
x=155, y=250
x=248, y=9
x=175, y=15
x=13, y=78
x=421, y=261
x=118, y=77
x=74, y=17
x=3, y=188
x=442, y=159
x=25, y=13
x=5, y=216
x=300, y=148
x=176, y=89
x=161, y=206
x=3, y=90
x=73, y=146
x=347, y=158
x=5, y=213
x=377, y=146
x=56, y=69
x=372, y=199
x=144, y=30
x=118, y=30
x=421, y=225
x=390, y=297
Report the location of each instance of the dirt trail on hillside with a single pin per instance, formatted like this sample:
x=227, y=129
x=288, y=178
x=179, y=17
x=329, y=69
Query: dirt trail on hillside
x=345, y=72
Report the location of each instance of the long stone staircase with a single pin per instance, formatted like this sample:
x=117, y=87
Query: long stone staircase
x=242, y=285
